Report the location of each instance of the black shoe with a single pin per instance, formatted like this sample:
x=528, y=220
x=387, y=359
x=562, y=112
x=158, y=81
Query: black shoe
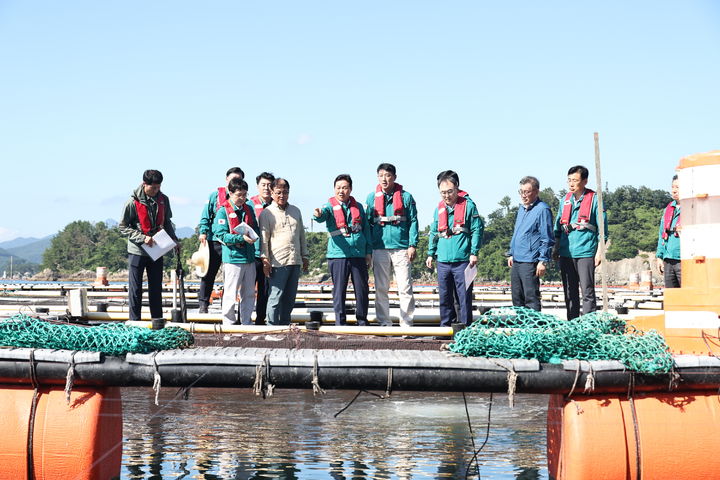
x=203, y=309
x=260, y=322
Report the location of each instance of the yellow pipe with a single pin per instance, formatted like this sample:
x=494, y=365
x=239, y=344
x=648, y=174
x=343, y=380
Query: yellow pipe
x=345, y=329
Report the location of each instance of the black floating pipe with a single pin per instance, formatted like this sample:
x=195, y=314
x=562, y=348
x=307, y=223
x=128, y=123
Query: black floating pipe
x=114, y=371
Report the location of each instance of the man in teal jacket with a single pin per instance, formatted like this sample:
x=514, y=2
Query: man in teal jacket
x=668, y=248
x=455, y=238
x=207, y=218
x=577, y=238
x=349, y=250
x=394, y=230
x=237, y=229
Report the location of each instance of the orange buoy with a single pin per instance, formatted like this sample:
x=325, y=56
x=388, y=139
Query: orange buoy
x=80, y=440
x=658, y=436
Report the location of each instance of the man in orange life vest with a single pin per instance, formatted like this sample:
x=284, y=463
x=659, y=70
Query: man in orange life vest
x=668, y=248
x=576, y=247
x=259, y=203
x=146, y=213
x=215, y=202
x=455, y=238
x=349, y=248
x=240, y=249
x=393, y=222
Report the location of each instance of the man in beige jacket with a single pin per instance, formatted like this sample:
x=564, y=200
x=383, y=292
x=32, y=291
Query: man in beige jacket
x=283, y=252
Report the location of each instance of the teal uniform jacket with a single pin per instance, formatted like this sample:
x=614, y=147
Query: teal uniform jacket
x=235, y=249
x=207, y=217
x=669, y=248
x=579, y=243
x=459, y=246
x=357, y=245
x=390, y=236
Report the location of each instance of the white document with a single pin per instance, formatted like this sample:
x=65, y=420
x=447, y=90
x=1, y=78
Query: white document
x=245, y=229
x=162, y=243
x=470, y=273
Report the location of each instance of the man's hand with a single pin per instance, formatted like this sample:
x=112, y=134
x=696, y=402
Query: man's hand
x=368, y=260
x=540, y=269
x=473, y=260
x=429, y=262
x=661, y=265
x=598, y=260
x=510, y=262
x=149, y=241
x=317, y=212
x=248, y=239
x=203, y=238
x=411, y=251
x=267, y=268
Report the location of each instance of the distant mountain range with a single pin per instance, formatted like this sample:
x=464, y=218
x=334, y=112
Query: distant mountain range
x=29, y=250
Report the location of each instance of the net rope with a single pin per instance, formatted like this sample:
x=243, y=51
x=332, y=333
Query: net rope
x=518, y=332
x=109, y=338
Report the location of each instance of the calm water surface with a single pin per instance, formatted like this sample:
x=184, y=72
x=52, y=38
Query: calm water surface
x=233, y=434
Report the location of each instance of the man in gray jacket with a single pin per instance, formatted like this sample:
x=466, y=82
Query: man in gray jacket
x=145, y=214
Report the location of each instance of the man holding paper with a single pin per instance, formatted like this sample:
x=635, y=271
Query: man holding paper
x=145, y=218
x=455, y=237
x=236, y=227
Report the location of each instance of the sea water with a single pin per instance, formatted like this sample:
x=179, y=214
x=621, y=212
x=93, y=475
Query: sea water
x=235, y=434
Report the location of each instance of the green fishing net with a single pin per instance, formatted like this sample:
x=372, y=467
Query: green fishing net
x=109, y=338
x=517, y=332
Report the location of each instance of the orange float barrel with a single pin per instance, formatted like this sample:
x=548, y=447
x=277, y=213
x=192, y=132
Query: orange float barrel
x=80, y=440
x=658, y=436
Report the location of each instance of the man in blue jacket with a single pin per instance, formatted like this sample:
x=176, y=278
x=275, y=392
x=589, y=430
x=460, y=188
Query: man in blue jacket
x=531, y=245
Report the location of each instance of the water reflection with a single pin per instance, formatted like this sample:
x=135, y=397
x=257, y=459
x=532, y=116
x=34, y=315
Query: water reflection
x=233, y=434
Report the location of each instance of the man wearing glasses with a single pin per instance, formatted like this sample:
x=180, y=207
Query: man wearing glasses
x=531, y=245
x=577, y=238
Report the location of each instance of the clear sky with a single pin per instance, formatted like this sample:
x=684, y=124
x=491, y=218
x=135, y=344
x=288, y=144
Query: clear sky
x=93, y=93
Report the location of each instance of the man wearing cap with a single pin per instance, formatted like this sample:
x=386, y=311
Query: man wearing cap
x=668, y=248
x=577, y=238
x=216, y=200
x=392, y=216
x=260, y=202
x=530, y=246
x=144, y=215
x=284, y=252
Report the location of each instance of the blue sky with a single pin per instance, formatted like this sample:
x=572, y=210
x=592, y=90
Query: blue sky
x=93, y=93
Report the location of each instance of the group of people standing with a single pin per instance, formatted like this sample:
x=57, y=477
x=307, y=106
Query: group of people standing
x=261, y=243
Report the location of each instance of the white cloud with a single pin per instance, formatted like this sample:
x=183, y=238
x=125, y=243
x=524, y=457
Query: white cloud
x=303, y=139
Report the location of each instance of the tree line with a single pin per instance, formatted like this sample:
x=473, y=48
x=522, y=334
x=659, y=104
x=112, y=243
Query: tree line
x=633, y=218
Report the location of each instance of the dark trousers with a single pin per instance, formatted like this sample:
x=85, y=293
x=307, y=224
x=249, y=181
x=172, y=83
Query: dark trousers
x=137, y=264
x=578, y=273
x=451, y=283
x=208, y=281
x=672, y=273
x=262, y=291
x=340, y=270
x=525, y=285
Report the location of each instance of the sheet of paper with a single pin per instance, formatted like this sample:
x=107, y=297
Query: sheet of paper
x=470, y=273
x=162, y=243
x=245, y=229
